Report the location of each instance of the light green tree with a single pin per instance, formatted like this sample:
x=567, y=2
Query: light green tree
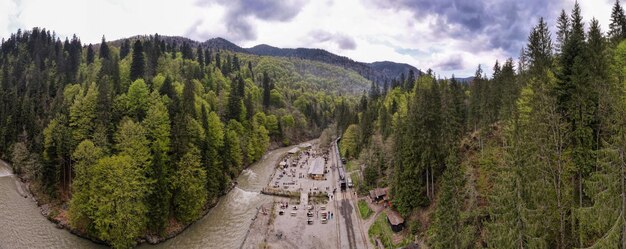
x=189, y=184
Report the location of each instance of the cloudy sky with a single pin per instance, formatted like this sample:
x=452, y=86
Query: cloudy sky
x=449, y=36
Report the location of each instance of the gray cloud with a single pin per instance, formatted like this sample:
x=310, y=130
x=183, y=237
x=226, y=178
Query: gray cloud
x=239, y=13
x=342, y=41
x=505, y=23
x=452, y=63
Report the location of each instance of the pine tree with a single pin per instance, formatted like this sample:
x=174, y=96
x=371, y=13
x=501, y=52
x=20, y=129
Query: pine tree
x=617, y=27
x=138, y=66
x=266, y=90
x=235, y=102
x=158, y=131
x=200, y=57
x=105, y=53
x=90, y=54
x=447, y=227
x=125, y=49
x=189, y=99
x=218, y=61
x=207, y=57
x=410, y=81
x=563, y=29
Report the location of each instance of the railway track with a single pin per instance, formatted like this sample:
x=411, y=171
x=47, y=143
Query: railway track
x=334, y=157
x=347, y=209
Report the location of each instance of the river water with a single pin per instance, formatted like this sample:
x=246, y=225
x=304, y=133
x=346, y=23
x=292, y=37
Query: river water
x=225, y=226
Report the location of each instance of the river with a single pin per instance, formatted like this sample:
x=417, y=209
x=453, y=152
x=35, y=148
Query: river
x=225, y=226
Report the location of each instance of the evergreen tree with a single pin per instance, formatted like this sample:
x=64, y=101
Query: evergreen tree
x=189, y=99
x=90, y=54
x=410, y=81
x=125, y=49
x=157, y=124
x=105, y=53
x=200, y=56
x=218, y=61
x=138, y=66
x=207, y=57
x=563, y=29
x=447, y=228
x=235, y=102
x=617, y=27
x=266, y=90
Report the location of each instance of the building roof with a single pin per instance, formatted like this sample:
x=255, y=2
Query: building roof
x=293, y=151
x=394, y=217
x=317, y=166
x=378, y=192
x=305, y=145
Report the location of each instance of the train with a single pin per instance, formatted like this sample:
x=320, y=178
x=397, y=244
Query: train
x=342, y=172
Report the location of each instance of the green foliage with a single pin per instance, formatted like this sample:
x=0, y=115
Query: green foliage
x=117, y=194
x=138, y=99
x=447, y=225
x=81, y=209
x=233, y=155
x=157, y=124
x=349, y=142
x=189, y=184
x=382, y=230
x=83, y=113
x=131, y=141
x=364, y=210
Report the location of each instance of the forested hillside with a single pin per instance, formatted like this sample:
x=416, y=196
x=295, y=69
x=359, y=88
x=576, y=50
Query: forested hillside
x=531, y=156
x=140, y=136
x=377, y=71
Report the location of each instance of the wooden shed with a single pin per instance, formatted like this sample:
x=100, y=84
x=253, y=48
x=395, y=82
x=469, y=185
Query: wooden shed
x=395, y=220
x=378, y=194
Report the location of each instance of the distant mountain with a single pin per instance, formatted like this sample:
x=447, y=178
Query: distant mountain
x=222, y=44
x=391, y=69
x=320, y=55
x=465, y=80
x=376, y=71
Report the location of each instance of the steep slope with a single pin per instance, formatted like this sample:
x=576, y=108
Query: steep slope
x=318, y=55
x=378, y=71
x=296, y=73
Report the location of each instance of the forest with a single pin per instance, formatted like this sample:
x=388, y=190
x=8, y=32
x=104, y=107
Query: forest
x=531, y=156
x=141, y=136
x=138, y=136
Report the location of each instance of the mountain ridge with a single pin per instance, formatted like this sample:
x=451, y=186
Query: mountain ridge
x=379, y=71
